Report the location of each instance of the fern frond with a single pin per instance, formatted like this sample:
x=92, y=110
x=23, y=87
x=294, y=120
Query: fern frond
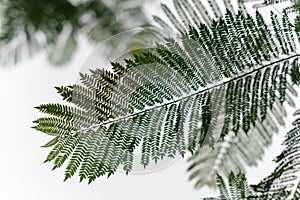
x=237, y=187
x=66, y=92
x=292, y=7
x=177, y=84
x=236, y=152
x=53, y=27
x=286, y=174
x=194, y=12
x=189, y=15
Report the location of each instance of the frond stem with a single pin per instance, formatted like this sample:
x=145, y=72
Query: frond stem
x=193, y=94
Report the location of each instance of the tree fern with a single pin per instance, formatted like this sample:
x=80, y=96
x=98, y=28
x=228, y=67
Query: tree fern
x=150, y=99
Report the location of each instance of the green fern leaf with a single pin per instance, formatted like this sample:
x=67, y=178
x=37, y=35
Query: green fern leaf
x=154, y=95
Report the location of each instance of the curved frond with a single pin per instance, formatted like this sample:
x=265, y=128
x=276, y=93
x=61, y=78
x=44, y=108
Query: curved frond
x=182, y=86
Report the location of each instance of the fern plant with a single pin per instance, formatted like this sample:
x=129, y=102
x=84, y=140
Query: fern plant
x=150, y=99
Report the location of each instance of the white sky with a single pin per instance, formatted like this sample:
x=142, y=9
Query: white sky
x=24, y=176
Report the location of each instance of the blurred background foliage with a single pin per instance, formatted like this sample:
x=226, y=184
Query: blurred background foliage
x=55, y=26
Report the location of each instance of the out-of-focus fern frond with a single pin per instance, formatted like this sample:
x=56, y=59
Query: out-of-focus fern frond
x=30, y=27
x=226, y=152
x=193, y=12
x=236, y=152
x=286, y=175
x=234, y=67
x=283, y=183
x=238, y=188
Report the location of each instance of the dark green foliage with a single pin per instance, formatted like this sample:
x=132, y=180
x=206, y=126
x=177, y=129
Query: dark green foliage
x=295, y=73
x=293, y=8
x=31, y=26
x=181, y=83
x=65, y=92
